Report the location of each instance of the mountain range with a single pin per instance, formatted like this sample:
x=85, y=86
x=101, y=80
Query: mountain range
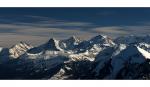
x=100, y=57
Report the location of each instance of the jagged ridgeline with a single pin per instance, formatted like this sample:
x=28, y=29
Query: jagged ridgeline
x=97, y=58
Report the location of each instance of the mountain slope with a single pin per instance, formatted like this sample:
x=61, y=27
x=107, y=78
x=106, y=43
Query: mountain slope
x=97, y=58
x=70, y=43
x=51, y=45
x=131, y=55
x=19, y=49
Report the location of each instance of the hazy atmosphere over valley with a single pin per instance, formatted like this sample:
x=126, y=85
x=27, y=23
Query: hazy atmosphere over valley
x=37, y=25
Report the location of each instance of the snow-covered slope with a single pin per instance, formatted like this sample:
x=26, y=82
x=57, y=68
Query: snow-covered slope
x=1, y=49
x=97, y=58
x=70, y=43
x=141, y=41
x=131, y=55
x=102, y=59
x=73, y=47
x=51, y=45
x=99, y=40
x=112, y=60
x=103, y=40
x=145, y=46
x=19, y=49
x=94, y=45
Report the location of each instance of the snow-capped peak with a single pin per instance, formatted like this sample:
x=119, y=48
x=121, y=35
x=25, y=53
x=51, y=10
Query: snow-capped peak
x=73, y=40
x=106, y=59
x=69, y=44
x=52, y=44
x=131, y=55
x=19, y=49
x=98, y=37
x=102, y=39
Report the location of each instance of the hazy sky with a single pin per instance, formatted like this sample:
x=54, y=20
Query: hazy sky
x=37, y=25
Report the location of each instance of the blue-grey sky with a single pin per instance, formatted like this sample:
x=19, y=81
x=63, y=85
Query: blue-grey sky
x=37, y=25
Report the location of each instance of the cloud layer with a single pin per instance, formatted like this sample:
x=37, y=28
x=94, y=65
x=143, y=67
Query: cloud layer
x=41, y=28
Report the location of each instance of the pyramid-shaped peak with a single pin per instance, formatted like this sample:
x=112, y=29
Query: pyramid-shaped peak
x=52, y=44
x=52, y=39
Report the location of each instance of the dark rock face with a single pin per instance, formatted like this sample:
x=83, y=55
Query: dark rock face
x=31, y=69
x=79, y=70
